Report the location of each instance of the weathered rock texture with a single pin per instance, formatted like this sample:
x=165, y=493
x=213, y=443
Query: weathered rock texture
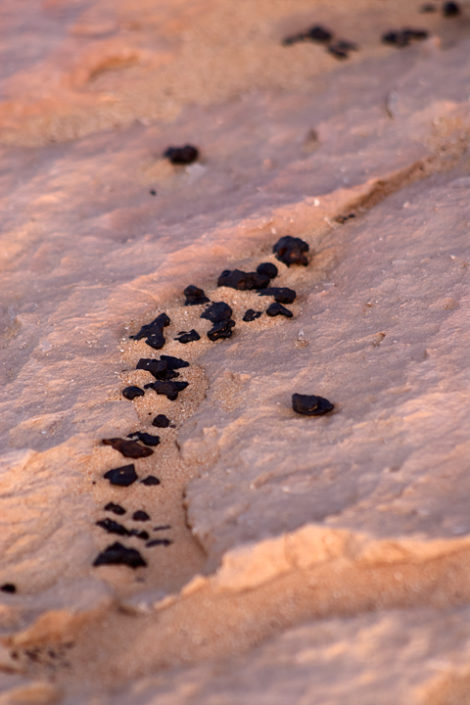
x=308, y=560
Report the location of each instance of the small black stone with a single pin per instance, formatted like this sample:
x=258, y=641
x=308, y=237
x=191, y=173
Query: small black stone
x=140, y=515
x=311, y=405
x=152, y=192
x=117, y=554
x=268, y=269
x=123, y=476
x=194, y=296
x=159, y=542
x=182, y=155
x=113, y=527
x=341, y=48
x=132, y=392
x=317, y=33
x=450, y=9
x=115, y=508
x=161, y=421
x=221, y=330
x=343, y=218
x=168, y=389
x=158, y=368
x=282, y=294
x=8, y=587
x=337, y=52
x=276, y=309
x=236, y=279
x=153, y=332
x=174, y=363
x=129, y=449
x=251, y=315
x=402, y=37
x=162, y=527
x=150, y=480
x=187, y=336
x=291, y=250
x=145, y=438
x=217, y=312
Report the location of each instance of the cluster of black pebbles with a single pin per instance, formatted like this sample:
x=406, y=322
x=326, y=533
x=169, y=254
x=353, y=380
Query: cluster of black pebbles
x=166, y=372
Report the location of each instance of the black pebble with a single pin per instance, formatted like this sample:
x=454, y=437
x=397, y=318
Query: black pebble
x=236, y=279
x=123, y=476
x=159, y=542
x=132, y=392
x=317, y=33
x=152, y=192
x=194, y=296
x=153, y=332
x=162, y=527
x=282, y=294
x=129, y=449
x=115, y=508
x=403, y=37
x=117, y=554
x=140, y=515
x=182, y=155
x=311, y=405
x=217, y=312
x=343, y=218
x=268, y=269
x=187, y=336
x=450, y=9
x=8, y=587
x=168, y=389
x=276, y=309
x=291, y=250
x=113, y=527
x=341, y=48
x=251, y=315
x=161, y=421
x=145, y=438
x=158, y=368
x=150, y=480
x=221, y=330
x=174, y=363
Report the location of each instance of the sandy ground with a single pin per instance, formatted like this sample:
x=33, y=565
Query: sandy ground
x=304, y=560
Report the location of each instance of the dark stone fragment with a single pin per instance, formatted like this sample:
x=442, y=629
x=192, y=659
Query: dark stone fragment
x=291, y=250
x=236, y=279
x=221, y=330
x=123, y=476
x=341, y=48
x=159, y=542
x=194, y=296
x=158, y=368
x=117, y=554
x=337, y=52
x=8, y=587
x=450, y=9
x=129, y=449
x=317, y=33
x=402, y=37
x=150, y=480
x=132, y=392
x=140, y=515
x=343, y=218
x=311, y=405
x=168, y=389
x=162, y=527
x=145, y=438
x=217, y=312
x=153, y=332
x=282, y=294
x=428, y=7
x=113, y=527
x=143, y=535
x=161, y=421
x=276, y=309
x=187, y=336
x=294, y=39
x=115, y=508
x=251, y=315
x=152, y=192
x=268, y=269
x=182, y=155
x=174, y=363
